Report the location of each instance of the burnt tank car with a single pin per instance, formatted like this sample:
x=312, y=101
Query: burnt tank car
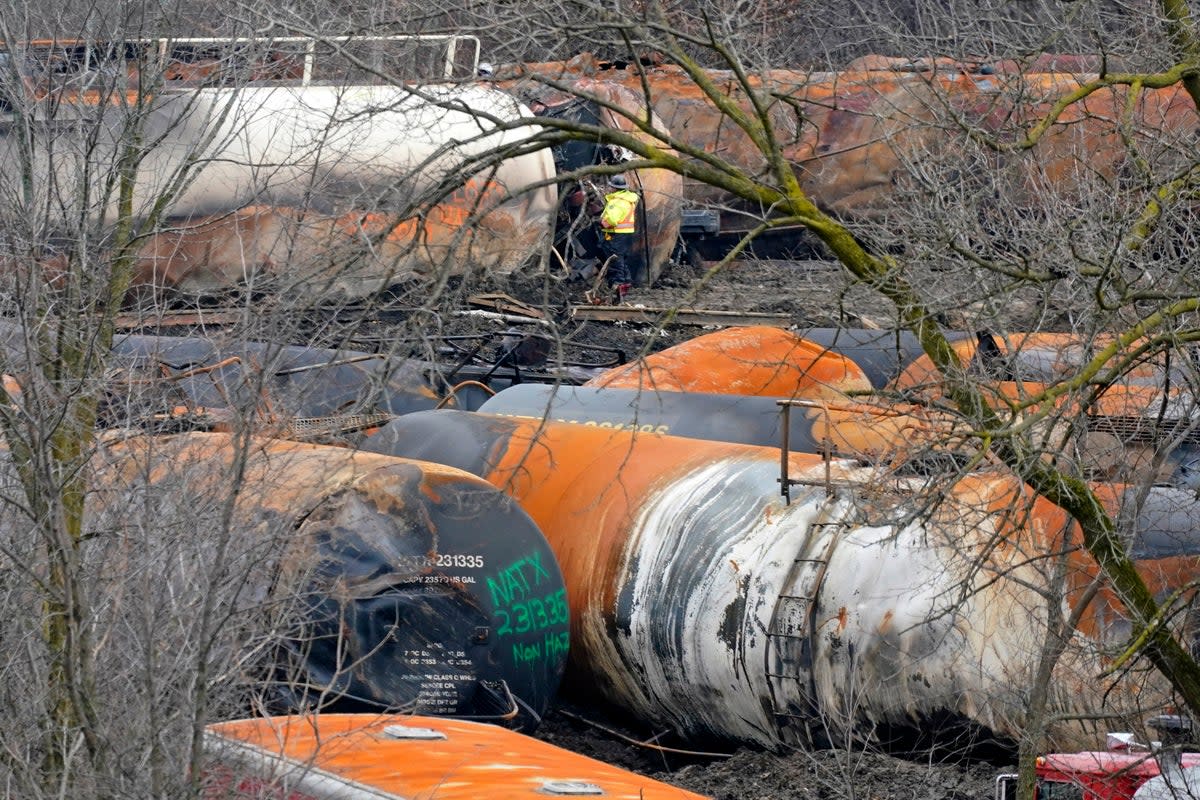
x=858, y=609
x=398, y=585
x=852, y=136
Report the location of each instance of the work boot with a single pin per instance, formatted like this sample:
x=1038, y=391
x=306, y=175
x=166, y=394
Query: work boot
x=622, y=290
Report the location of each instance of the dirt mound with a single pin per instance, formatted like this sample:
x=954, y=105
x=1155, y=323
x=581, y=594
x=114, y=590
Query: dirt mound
x=751, y=774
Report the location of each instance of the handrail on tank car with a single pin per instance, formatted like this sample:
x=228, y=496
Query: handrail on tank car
x=785, y=482
x=160, y=48
x=452, y=42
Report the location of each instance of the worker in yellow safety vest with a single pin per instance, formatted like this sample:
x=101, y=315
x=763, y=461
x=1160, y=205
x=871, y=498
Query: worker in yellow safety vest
x=618, y=223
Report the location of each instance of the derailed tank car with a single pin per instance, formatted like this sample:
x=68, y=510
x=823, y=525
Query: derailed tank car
x=337, y=189
x=361, y=756
x=853, y=136
x=701, y=600
x=395, y=584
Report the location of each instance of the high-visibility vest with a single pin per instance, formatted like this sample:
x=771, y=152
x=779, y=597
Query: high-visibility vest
x=620, y=212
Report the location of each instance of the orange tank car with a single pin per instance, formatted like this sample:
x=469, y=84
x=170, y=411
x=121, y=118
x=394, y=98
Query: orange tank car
x=372, y=757
x=752, y=361
x=853, y=136
x=1131, y=426
x=871, y=601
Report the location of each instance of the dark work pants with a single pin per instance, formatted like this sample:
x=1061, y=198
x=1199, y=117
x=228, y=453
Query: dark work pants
x=620, y=247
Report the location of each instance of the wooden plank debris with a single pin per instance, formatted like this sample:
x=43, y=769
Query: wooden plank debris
x=505, y=304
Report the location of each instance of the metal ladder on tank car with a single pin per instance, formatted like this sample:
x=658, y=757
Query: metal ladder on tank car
x=793, y=619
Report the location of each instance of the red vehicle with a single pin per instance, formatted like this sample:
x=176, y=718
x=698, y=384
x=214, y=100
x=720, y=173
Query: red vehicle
x=1091, y=775
x=1119, y=772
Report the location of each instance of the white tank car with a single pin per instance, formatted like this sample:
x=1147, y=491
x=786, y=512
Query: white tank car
x=272, y=179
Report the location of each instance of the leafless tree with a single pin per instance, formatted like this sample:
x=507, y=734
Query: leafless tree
x=136, y=596
x=1040, y=228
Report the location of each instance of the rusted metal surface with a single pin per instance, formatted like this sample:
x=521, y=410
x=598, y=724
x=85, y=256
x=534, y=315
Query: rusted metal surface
x=851, y=135
x=404, y=578
x=753, y=360
x=843, y=613
x=361, y=757
x=506, y=304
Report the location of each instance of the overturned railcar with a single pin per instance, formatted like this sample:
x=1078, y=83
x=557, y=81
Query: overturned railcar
x=866, y=606
x=747, y=361
x=1140, y=429
x=394, y=585
x=1162, y=521
x=295, y=392
x=824, y=426
x=359, y=756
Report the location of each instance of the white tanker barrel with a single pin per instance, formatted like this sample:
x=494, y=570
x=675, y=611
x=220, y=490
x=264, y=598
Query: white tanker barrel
x=384, y=180
x=827, y=427
x=702, y=601
x=715, y=417
x=345, y=147
x=409, y=586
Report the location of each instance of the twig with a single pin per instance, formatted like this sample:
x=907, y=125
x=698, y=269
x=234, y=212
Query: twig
x=648, y=745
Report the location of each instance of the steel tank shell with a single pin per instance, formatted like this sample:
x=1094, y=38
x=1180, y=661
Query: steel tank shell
x=372, y=757
x=751, y=361
x=845, y=429
x=853, y=136
x=418, y=587
x=1163, y=522
x=881, y=354
x=311, y=163
x=704, y=602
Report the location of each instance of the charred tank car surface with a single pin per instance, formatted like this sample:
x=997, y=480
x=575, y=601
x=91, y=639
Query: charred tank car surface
x=396, y=585
x=659, y=213
x=868, y=606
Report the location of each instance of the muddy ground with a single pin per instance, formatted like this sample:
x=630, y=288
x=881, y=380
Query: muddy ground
x=806, y=294
x=798, y=294
x=729, y=772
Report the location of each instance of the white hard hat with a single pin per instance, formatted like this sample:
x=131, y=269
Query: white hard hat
x=618, y=181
